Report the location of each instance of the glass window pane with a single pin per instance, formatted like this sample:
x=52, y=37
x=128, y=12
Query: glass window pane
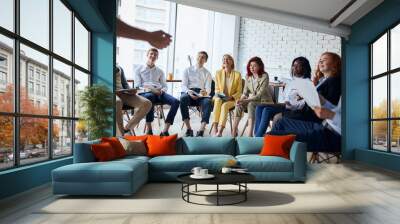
x=62, y=89
x=81, y=131
x=35, y=21
x=34, y=72
x=62, y=29
x=7, y=14
x=33, y=139
x=6, y=74
x=62, y=141
x=395, y=47
x=379, y=98
x=395, y=136
x=379, y=55
x=6, y=142
x=81, y=45
x=379, y=135
x=395, y=95
x=81, y=81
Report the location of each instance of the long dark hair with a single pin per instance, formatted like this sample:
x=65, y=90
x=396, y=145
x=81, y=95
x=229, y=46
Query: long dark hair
x=259, y=63
x=305, y=64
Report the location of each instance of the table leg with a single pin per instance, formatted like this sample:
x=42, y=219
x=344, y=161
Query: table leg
x=195, y=188
x=217, y=194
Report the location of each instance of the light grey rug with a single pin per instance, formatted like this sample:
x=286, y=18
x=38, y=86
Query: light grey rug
x=166, y=198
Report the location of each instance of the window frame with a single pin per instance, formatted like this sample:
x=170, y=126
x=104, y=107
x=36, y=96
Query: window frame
x=388, y=74
x=16, y=114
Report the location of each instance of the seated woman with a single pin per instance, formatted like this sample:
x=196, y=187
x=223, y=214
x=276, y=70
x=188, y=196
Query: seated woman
x=228, y=88
x=300, y=69
x=320, y=137
x=328, y=82
x=255, y=92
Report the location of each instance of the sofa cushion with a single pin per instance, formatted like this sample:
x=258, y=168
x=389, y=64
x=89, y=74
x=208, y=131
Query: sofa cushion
x=206, y=145
x=103, y=152
x=185, y=163
x=257, y=163
x=83, y=152
x=249, y=145
x=161, y=145
x=277, y=145
x=116, y=145
x=112, y=171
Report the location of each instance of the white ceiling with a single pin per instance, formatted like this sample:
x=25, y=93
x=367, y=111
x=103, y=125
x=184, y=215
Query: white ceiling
x=314, y=15
x=319, y=9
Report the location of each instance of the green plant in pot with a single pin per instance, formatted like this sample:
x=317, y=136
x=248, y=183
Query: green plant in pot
x=96, y=103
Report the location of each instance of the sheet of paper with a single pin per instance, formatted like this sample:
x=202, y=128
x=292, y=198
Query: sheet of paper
x=308, y=91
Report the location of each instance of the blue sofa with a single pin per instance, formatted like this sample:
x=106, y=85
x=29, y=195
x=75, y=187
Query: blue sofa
x=125, y=176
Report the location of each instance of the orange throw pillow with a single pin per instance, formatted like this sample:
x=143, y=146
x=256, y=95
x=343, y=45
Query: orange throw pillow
x=103, y=152
x=116, y=145
x=277, y=145
x=135, y=138
x=161, y=146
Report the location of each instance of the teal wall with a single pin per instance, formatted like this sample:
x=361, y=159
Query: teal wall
x=356, y=85
x=99, y=16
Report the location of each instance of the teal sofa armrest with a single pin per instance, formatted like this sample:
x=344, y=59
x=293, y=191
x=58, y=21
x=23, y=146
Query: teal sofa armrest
x=83, y=152
x=298, y=155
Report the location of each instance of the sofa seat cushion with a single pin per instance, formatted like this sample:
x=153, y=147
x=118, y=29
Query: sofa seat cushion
x=185, y=163
x=257, y=163
x=112, y=171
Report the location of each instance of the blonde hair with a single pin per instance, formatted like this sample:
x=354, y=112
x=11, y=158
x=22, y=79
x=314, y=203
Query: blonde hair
x=231, y=58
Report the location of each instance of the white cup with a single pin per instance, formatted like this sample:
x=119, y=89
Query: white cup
x=203, y=172
x=226, y=170
x=196, y=171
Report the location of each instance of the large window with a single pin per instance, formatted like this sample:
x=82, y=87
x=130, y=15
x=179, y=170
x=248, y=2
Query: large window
x=385, y=94
x=40, y=80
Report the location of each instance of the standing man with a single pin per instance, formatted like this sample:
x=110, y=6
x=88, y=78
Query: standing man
x=151, y=81
x=196, y=88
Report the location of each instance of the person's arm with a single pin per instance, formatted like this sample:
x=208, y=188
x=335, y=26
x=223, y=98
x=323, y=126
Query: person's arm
x=185, y=81
x=138, y=82
x=163, y=82
x=208, y=83
x=158, y=39
x=218, y=90
x=238, y=91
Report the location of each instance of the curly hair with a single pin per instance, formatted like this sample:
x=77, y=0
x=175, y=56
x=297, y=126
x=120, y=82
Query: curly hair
x=259, y=62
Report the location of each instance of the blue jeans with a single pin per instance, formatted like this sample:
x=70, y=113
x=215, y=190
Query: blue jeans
x=317, y=137
x=264, y=114
x=164, y=98
x=204, y=103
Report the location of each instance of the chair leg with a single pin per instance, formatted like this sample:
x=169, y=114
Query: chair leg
x=211, y=128
x=245, y=127
x=230, y=120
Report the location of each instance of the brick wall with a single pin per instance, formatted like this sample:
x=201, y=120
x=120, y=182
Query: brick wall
x=278, y=45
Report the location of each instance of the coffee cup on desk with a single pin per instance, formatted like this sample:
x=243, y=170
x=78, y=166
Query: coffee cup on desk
x=196, y=171
x=203, y=172
x=226, y=170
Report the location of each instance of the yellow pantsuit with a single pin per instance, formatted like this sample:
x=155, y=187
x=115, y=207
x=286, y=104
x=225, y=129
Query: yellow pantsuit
x=233, y=88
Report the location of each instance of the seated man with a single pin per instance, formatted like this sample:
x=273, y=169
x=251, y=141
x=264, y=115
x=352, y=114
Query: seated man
x=127, y=96
x=151, y=81
x=320, y=137
x=196, y=87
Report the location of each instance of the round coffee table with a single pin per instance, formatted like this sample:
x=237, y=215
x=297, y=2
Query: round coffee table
x=238, y=179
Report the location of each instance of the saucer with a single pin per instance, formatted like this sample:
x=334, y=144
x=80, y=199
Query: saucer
x=208, y=176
